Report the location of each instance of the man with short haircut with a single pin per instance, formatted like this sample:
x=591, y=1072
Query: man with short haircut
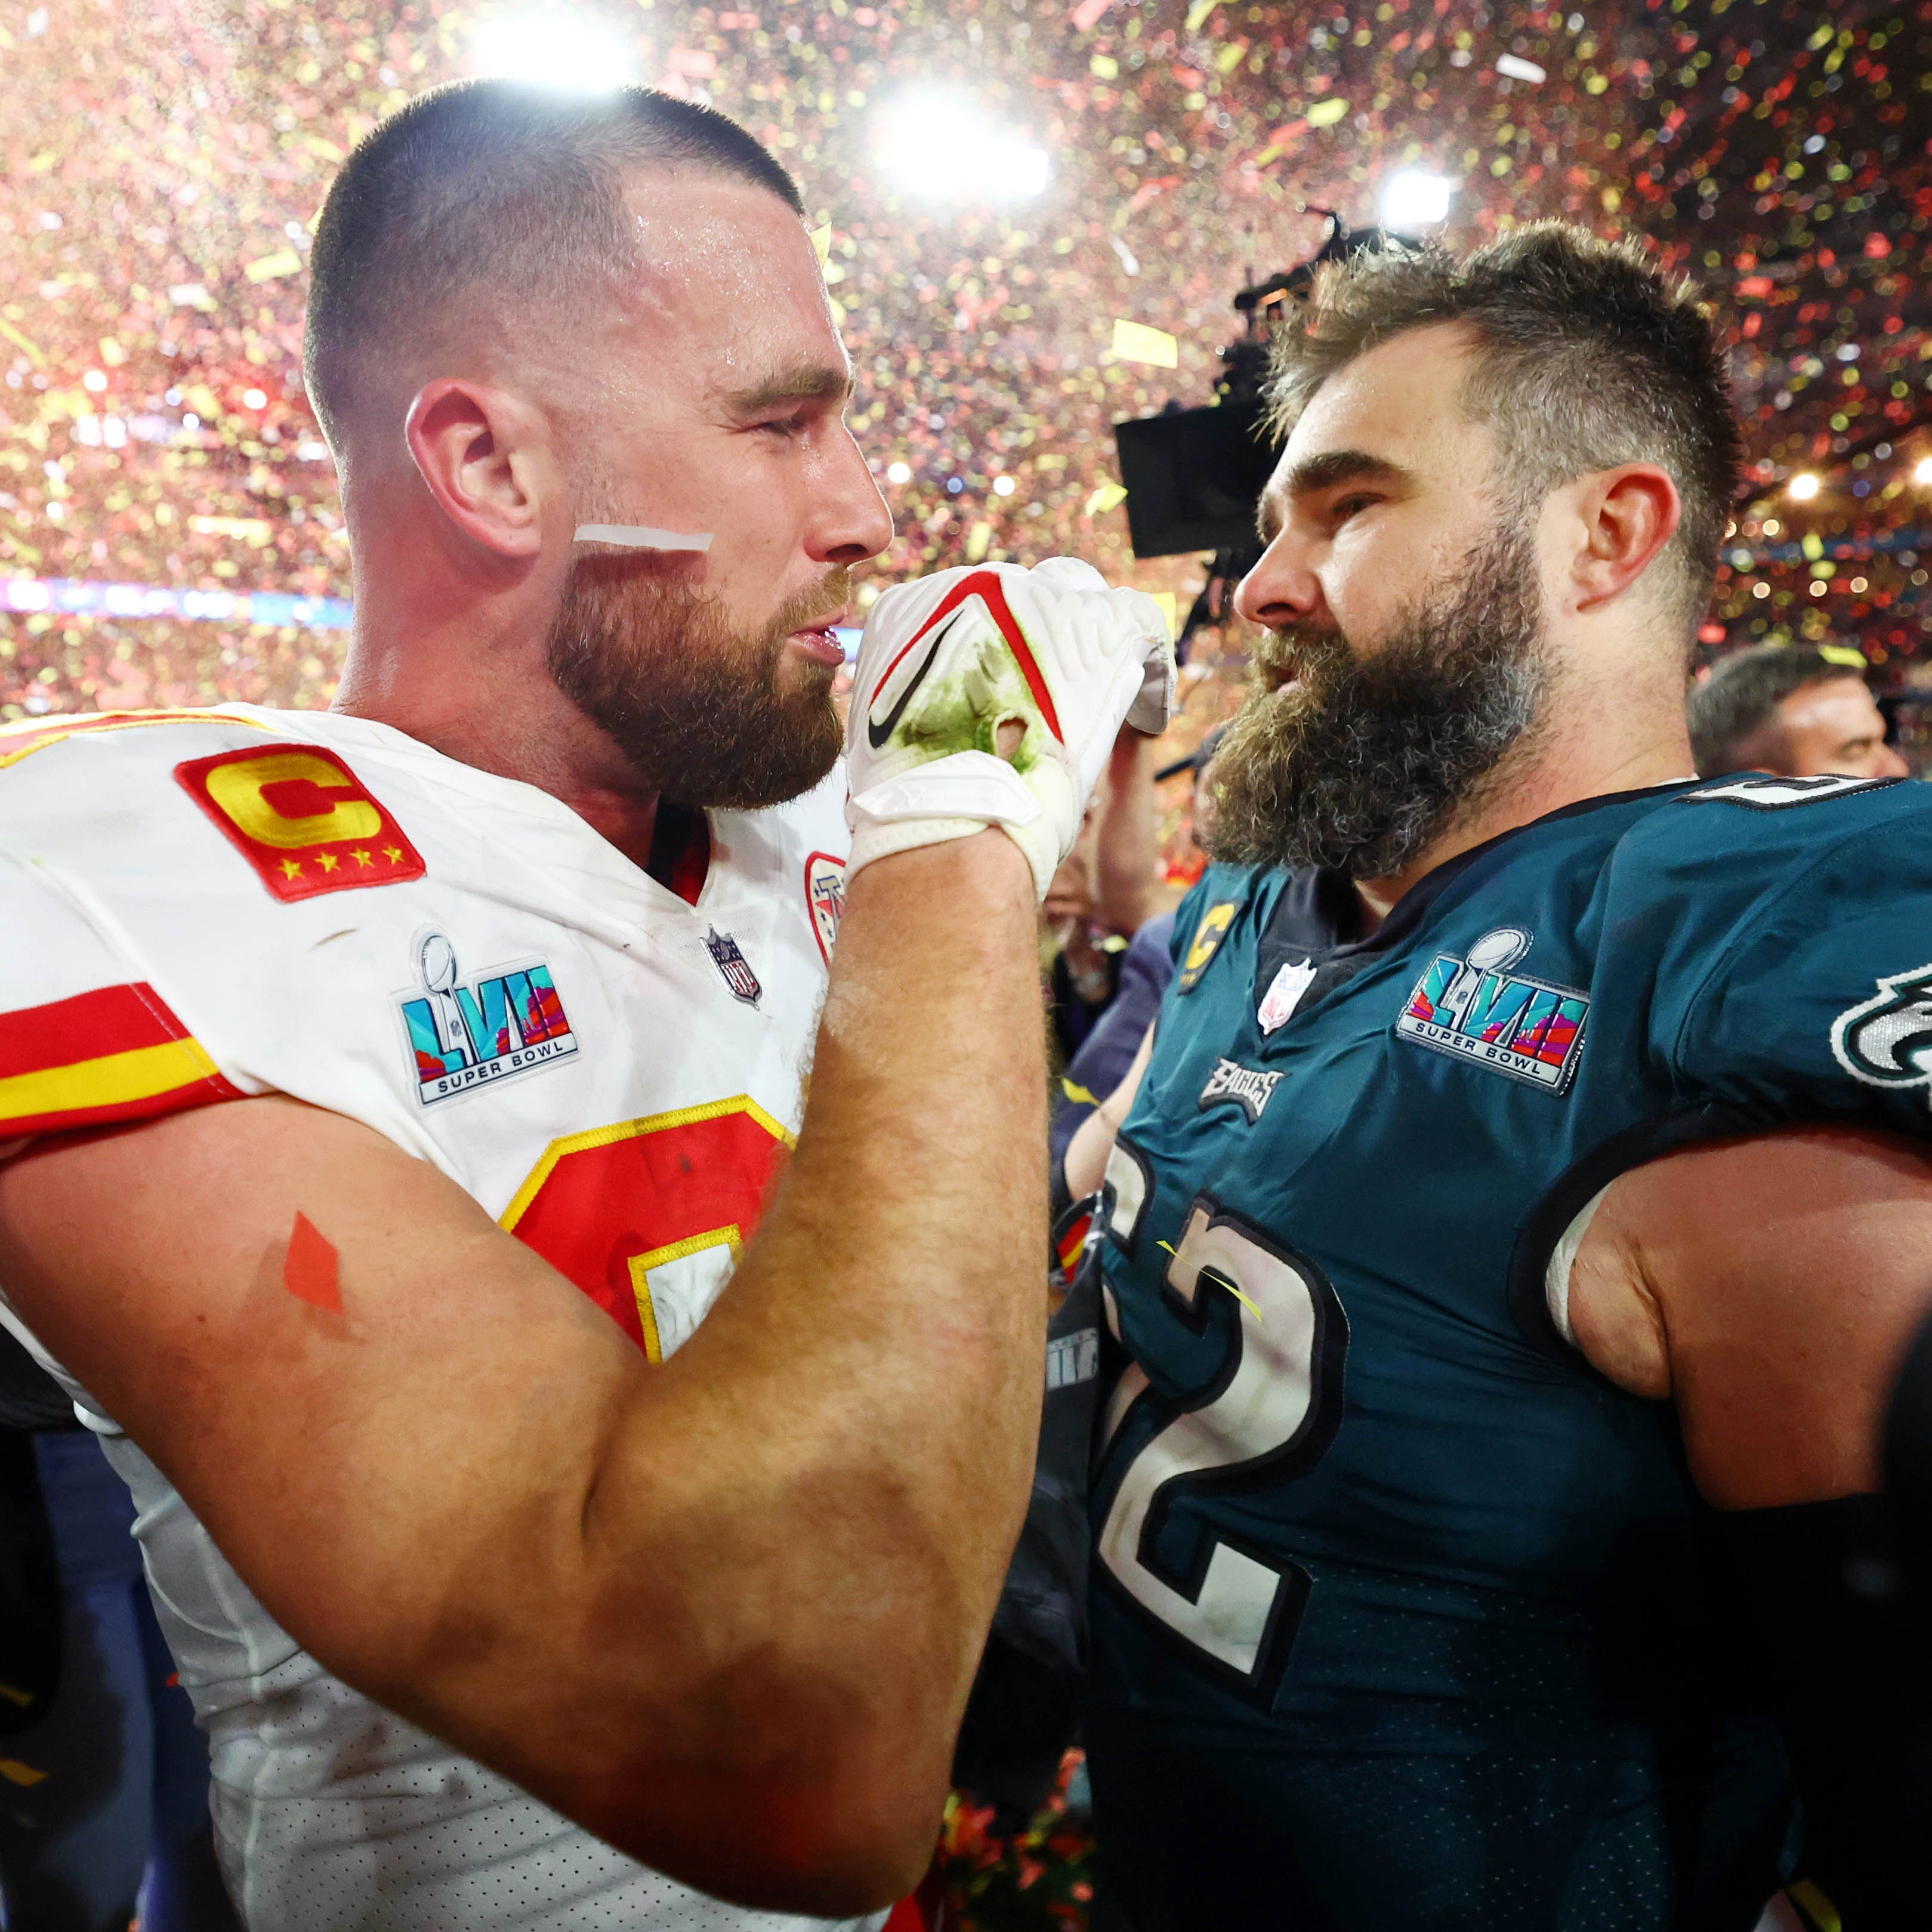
x=1525, y=1204
x=391, y=1093
x=1791, y=710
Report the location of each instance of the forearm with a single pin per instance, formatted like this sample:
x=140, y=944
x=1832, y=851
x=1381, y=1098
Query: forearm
x=860, y=1409
x=1085, y=1166
x=1125, y=844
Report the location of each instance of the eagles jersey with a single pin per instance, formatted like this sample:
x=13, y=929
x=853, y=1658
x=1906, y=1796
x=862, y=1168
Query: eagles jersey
x=197, y=907
x=1400, y=1616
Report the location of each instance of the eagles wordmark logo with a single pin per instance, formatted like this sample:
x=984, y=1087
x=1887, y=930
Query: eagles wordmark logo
x=1474, y=1009
x=1886, y=1041
x=1245, y=1087
x=469, y=1034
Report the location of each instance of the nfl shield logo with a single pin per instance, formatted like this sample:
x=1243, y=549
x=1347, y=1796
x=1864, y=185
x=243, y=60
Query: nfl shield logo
x=732, y=965
x=825, y=897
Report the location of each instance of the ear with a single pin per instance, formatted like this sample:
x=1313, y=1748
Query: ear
x=484, y=456
x=1628, y=514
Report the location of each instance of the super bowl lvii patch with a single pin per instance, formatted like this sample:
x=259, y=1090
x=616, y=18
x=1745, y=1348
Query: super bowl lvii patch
x=1476, y=1010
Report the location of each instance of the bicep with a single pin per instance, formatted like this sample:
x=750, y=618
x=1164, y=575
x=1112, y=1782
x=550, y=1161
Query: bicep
x=1785, y=1274
x=363, y=1469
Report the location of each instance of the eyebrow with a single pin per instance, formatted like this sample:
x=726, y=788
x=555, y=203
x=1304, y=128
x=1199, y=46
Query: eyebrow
x=805, y=382
x=1325, y=472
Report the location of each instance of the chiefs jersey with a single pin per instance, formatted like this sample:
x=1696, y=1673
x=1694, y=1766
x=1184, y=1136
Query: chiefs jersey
x=202, y=906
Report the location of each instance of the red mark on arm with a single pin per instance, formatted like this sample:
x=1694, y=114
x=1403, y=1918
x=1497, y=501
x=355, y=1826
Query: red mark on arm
x=310, y=1271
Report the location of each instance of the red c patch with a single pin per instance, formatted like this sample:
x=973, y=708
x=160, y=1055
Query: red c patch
x=301, y=818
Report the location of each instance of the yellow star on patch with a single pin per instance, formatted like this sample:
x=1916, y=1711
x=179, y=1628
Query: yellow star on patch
x=329, y=861
x=393, y=854
x=291, y=868
x=362, y=858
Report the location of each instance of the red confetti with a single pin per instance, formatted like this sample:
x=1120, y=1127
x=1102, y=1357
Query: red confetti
x=310, y=1271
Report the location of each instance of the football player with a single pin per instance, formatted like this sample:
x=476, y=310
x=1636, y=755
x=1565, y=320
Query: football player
x=1524, y=1204
x=391, y=1091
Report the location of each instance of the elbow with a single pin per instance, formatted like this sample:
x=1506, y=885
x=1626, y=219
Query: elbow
x=833, y=1846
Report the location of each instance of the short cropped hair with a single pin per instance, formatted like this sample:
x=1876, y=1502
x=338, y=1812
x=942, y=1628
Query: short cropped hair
x=1587, y=356
x=498, y=187
x=1734, y=705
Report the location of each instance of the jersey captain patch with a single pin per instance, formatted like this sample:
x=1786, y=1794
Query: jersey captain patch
x=305, y=822
x=1208, y=938
x=1476, y=1010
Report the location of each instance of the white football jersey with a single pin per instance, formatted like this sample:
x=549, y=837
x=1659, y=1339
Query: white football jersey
x=196, y=906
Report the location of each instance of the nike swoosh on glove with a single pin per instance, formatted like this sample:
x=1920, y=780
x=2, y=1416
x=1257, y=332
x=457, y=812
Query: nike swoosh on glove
x=991, y=696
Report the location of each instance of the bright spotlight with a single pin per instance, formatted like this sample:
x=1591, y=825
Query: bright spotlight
x=1923, y=472
x=549, y=47
x=1804, y=486
x=899, y=473
x=946, y=151
x=1003, y=486
x=1412, y=201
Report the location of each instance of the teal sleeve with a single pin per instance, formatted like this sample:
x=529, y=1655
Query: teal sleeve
x=1821, y=1004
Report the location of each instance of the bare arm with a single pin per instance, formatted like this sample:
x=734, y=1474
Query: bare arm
x=1085, y=1165
x=723, y=1612
x=1125, y=840
x=1770, y=1287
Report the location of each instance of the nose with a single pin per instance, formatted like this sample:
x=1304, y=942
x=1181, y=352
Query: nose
x=850, y=520
x=1890, y=764
x=1282, y=589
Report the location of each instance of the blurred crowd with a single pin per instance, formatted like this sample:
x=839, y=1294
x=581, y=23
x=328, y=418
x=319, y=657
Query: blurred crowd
x=165, y=162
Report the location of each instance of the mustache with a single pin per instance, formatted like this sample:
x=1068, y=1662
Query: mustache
x=830, y=595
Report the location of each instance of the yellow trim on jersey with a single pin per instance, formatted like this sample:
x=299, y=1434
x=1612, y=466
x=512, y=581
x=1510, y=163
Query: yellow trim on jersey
x=45, y=732
x=728, y=1236
x=110, y=1080
x=625, y=1130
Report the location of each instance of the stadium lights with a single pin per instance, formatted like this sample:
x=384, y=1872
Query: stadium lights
x=1804, y=486
x=1412, y=201
x=1923, y=472
x=899, y=473
x=550, y=47
x=1003, y=486
x=940, y=150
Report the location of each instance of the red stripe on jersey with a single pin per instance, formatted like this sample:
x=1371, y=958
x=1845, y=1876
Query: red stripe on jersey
x=110, y=1019
x=116, y=1053
x=986, y=583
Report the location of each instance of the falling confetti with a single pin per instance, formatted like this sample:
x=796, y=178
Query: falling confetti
x=167, y=540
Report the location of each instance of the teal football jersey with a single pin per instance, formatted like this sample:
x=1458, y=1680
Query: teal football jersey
x=1400, y=1612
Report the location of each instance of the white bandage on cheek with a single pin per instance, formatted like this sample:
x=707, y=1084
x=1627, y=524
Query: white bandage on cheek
x=640, y=536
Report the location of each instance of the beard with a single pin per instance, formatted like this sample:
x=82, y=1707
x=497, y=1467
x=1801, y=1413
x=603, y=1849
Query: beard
x=707, y=713
x=1364, y=762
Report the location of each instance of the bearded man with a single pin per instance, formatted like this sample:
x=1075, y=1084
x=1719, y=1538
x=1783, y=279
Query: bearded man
x=556, y=1515
x=1520, y=1206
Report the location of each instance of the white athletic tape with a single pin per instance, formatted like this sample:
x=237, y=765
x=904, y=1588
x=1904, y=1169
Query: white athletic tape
x=640, y=536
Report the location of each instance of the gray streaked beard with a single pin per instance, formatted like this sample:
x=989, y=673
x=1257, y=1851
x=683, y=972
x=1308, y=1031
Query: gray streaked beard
x=1364, y=761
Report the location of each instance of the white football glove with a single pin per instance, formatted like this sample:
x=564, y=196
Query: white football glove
x=992, y=696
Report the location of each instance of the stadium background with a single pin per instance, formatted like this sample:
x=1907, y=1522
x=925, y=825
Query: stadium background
x=169, y=529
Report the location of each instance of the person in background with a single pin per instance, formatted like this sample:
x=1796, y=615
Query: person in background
x=1099, y=899
x=1108, y=1051
x=105, y=1818
x=1791, y=710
